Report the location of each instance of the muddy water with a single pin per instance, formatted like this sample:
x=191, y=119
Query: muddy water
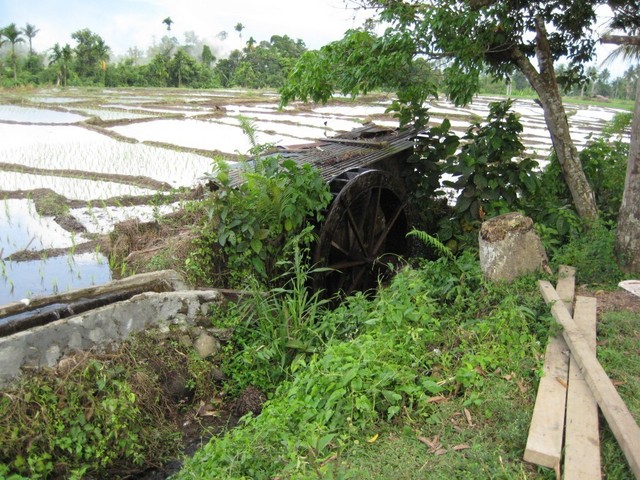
x=28, y=279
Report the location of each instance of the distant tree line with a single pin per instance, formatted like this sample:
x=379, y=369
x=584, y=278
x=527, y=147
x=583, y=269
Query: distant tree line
x=169, y=63
x=193, y=64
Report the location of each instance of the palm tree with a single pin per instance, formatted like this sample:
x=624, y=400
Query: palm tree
x=12, y=34
x=167, y=21
x=61, y=57
x=2, y=42
x=30, y=31
x=238, y=28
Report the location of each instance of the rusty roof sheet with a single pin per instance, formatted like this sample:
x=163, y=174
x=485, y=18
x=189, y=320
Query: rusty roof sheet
x=358, y=148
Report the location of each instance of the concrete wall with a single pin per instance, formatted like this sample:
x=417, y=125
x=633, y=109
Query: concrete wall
x=100, y=328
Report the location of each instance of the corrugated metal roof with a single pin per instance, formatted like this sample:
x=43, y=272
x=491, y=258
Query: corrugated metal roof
x=358, y=148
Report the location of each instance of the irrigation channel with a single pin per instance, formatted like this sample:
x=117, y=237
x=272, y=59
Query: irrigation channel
x=94, y=147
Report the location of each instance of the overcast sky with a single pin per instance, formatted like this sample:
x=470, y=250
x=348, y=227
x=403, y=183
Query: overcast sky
x=128, y=23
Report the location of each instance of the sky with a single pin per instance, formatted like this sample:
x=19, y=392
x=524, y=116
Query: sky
x=128, y=23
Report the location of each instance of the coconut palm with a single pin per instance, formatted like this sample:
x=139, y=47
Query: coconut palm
x=238, y=28
x=61, y=57
x=2, y=42
x=12, y=34
x=30, y=32
x=167, y=21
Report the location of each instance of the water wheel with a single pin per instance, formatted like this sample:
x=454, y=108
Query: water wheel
x=364, y=231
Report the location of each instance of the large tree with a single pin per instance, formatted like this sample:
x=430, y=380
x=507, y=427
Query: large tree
x=90, y=53
x=61, y=57
x=12, y=34
x=30, y=31
x=627, y=18
x=470, y=37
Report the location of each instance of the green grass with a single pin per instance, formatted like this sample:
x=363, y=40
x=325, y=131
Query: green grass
x=618, y=352
x=490, y=446
x=435, y=377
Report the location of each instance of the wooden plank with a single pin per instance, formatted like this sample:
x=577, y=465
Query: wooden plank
x=566, y=286
x=582, y=436
x=631, y=286
x=544, y=443
x=619, y=418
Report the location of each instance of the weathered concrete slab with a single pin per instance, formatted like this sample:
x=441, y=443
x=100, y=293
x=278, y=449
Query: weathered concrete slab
x=101, y=328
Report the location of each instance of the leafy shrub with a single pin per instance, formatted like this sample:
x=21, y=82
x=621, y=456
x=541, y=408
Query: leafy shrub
x=245, y=227
x=487, y=177
x=490, y=173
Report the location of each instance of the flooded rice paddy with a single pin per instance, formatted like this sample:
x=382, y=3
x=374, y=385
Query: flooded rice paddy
x=94, y=146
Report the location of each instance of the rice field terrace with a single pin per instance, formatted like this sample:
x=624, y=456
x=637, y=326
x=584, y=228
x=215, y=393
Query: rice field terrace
x=75, y=162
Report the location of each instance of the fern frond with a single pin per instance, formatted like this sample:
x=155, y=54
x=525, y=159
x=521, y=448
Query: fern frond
x=432, y=242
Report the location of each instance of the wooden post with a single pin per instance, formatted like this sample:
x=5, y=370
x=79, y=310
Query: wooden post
x=620, y=420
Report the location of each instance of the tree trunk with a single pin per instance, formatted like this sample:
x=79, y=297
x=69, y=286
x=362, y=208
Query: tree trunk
x=628, y=236
x=546, y=86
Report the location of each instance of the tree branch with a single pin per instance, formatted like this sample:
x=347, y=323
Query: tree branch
x=620, y=40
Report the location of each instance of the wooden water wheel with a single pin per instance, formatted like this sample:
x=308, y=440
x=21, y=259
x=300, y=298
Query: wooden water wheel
x=363, y=234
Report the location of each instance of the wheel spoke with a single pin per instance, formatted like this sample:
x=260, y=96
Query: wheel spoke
x=387, y=229
x=358, y=234
x=348, y=264
x=335, y=245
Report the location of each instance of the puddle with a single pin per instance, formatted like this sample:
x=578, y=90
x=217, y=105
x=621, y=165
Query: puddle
x=71, y=188
x=36, y=115
x=29, y=279
x=21, y=228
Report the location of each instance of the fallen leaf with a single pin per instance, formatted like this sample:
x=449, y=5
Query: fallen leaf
x=206, y=410
x=441, y=451
x=523, y=388
x=373, y=439
x=617, y=383
x=467, y=414
x=562, y=382
x=438, y=399
x=432, y=443
x=462, y=446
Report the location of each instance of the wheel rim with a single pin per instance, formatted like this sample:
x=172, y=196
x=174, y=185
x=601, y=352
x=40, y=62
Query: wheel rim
x=363, y=233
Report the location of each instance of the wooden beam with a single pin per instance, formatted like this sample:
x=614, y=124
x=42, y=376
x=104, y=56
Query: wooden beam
x=566, y=286
x=544, y=442
x=582, y=435
x=620, y=420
